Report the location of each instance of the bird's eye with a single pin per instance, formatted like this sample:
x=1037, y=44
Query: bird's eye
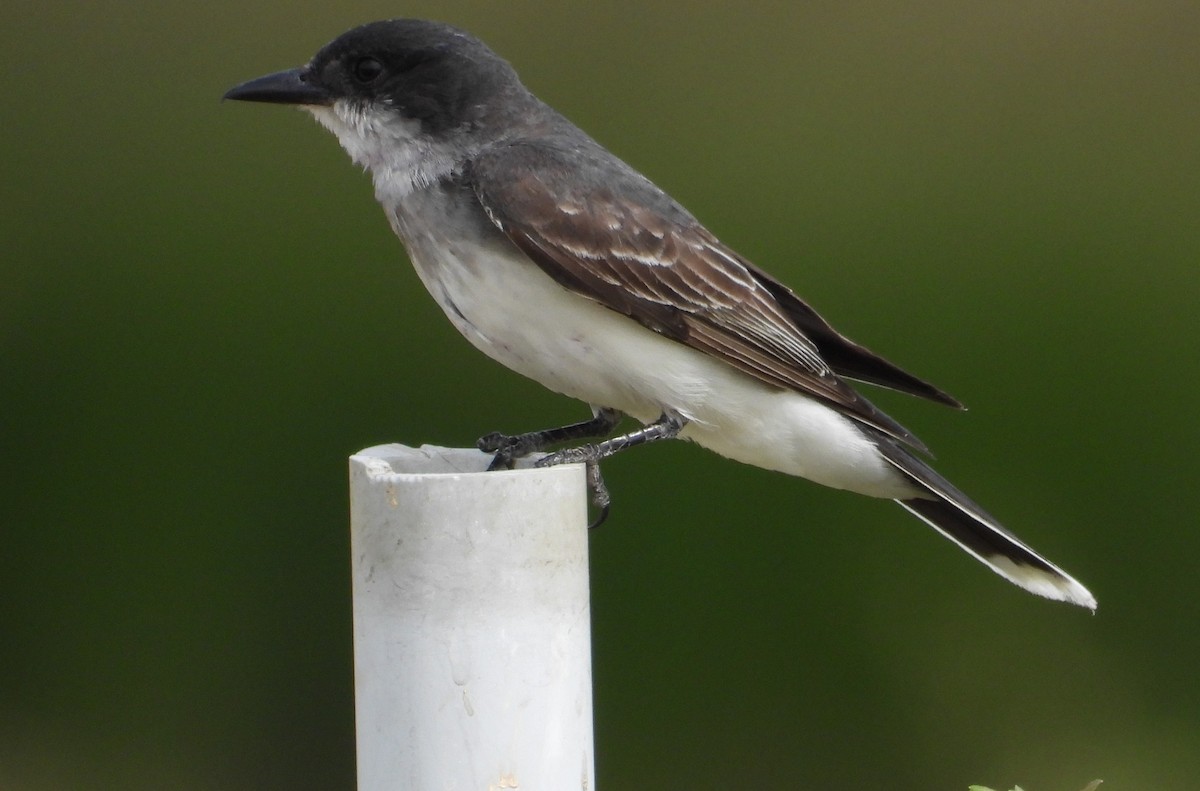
x=366, y=70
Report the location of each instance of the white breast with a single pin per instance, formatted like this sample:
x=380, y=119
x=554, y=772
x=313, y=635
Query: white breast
x=516, y=314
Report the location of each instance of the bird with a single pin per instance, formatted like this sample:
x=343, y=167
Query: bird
x=557, y=259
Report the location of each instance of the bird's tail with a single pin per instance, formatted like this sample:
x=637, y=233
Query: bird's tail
x=961, y=520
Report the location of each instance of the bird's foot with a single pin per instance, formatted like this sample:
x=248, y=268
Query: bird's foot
x=510, y=447
x=601, y=499
x=506, y=447
x=583, y=454
x=589, y=456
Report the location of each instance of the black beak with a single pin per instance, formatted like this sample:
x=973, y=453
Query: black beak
x=284, y=87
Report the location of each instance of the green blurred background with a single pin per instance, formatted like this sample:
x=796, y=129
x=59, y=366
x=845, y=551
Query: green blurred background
x=203, y=312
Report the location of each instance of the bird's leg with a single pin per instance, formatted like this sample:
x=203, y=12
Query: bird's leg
x=509, y=447
x=666, y=427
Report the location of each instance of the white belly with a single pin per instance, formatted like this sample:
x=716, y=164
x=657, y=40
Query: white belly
x=517, y=315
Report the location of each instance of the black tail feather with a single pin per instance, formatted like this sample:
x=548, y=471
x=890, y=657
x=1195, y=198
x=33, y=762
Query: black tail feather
x=964, y=522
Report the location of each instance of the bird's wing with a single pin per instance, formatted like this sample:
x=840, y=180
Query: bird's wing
x=619, y=240
x=847, y=358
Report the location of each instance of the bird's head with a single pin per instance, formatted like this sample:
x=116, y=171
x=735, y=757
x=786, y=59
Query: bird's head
x=399, y=92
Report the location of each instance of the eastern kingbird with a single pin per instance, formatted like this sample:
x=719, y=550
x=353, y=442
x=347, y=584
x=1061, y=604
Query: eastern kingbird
x=560, y=261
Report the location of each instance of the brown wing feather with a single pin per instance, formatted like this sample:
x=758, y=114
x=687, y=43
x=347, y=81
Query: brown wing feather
x=846, y=357
x=638, y=253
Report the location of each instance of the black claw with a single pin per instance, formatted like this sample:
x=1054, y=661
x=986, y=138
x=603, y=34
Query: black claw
x=501, y=461
x=600, y=518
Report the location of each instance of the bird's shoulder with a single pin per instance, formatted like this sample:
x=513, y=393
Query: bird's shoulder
x=570, y=174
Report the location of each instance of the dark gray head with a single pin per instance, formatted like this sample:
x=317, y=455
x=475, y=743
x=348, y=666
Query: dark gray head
x=402, y=93
x=425, y=71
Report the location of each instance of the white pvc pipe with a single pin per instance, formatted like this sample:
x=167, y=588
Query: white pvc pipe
x=472, y=648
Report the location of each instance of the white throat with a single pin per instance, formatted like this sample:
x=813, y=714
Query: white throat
x=399, y=156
